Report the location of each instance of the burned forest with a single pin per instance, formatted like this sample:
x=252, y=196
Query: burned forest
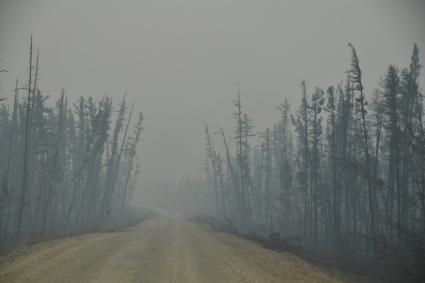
x=69, y=166
x=342, y=174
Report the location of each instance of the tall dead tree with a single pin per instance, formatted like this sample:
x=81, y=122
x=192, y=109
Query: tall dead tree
x=25, y=180
x=356, y=79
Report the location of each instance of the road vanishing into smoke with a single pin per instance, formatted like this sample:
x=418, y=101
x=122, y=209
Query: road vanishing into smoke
x=167, y=248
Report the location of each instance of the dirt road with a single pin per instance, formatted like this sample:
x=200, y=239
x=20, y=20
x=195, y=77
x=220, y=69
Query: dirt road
x=164, y=249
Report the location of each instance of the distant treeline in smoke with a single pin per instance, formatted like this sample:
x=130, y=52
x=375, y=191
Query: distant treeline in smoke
x=67, y=168
x=346, y=172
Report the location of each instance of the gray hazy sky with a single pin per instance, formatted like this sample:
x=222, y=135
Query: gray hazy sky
x=180, y=59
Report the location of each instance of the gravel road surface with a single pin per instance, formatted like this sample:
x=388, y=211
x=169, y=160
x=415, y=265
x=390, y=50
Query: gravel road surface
x=167, y=248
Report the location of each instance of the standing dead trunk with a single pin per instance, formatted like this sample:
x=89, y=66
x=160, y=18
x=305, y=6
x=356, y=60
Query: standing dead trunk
x=23, y=196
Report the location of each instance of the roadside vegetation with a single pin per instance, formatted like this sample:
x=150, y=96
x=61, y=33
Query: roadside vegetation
x=66, y=168
x=344, y=173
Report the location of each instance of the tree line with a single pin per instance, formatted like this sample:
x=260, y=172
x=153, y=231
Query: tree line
x=345, y=171
x=66, y=168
